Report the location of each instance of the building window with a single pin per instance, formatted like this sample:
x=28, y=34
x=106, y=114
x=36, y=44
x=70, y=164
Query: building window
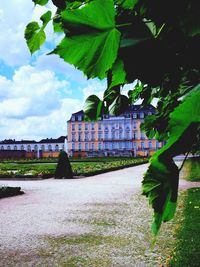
x=86, y=137
x=134, y=115
x=42, y=147
x=142, y=135
x=2, y=147
x=79, y=118
x=15, y=147
x=73, y=127
x=73, y=146
x=150, y=145
x=120, y=135
x=79, y=146
x=113, y=135
x=141, y=115
x=93, y=136
x=135, y=145
x=86, y=146
x=135, y=124
x=120, y=145
x=113, y=145
x=79, y=127
x=92, y=126
x=56, y=148
x=29, y=148
x=99, y=136
x=142, y=145
x=157, y=144
x=92, y=146
x=49, y=147
x=73, y=118
x=99, y=146
x=99, y=126
x=22, y=147
x=35, y=147
x=106, y=135
x=73, y=137
x=86, y=127
x=79, y=136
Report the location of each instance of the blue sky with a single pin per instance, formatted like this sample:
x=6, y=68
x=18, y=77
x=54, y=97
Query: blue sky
x=37, y=93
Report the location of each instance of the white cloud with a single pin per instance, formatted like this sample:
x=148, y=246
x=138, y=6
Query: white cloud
x=52, y=125
x=94, y=87
x=31, y=93
x=14, y=16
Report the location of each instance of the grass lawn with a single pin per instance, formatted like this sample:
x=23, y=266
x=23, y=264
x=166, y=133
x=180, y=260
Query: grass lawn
x=192, y=169
x=187, y=250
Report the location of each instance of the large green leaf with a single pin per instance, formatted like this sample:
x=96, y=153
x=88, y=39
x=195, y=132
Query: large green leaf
x=119, y=105
x=118, y=73
x=93, y=108
x=110, y=95
x=160, y=182
x=127, y=4
x=93, y=41
x=34, y=34
x=40, y=2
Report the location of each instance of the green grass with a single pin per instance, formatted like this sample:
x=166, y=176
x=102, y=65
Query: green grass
x=187, y=250
x=192, y=169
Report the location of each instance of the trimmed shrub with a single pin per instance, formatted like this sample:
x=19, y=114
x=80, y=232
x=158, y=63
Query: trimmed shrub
x=63, y=168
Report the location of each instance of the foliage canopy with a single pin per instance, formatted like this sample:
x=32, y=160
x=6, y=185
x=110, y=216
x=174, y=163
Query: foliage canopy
x=153, y=42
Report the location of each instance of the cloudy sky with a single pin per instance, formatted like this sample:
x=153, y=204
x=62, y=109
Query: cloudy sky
x=37, y=93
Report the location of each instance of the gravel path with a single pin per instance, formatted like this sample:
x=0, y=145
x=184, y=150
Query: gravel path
x=55, y=208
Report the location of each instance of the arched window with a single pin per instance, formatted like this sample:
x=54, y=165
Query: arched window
x=29, y=148
x=2, y=147
x=8, y=147
x=15, y=147
x=35, y=148
x=22, y=147
x=56, y=148
x=49, y=147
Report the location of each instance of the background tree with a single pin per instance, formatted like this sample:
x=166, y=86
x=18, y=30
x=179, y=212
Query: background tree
x=155, y=43
x=63, y=168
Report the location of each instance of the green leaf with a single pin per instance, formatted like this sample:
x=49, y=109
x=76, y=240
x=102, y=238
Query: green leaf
x=134, y=94
x=118, y=73
x=127, y=4
x=45, y=18
x=93, y=108
x=119, y=105
x=34, y=34
x=93, y=41
x=40, y=2
x=160, y=183
x=111, y=94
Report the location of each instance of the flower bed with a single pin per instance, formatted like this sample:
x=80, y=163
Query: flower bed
x=12, y=170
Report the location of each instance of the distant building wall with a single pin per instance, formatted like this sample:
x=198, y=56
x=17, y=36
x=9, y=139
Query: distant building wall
x=111, y=136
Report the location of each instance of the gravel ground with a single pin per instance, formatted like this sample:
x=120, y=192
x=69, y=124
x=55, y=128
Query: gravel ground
x=96, y=221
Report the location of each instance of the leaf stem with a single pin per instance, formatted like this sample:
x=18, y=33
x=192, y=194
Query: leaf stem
x=124, y=25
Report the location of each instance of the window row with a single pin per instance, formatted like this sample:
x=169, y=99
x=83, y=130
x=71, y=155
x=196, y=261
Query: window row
x=32, y=148
x=117, y=145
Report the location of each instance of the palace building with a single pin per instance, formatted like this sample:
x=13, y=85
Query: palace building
x=45, y=148
x=111, y=135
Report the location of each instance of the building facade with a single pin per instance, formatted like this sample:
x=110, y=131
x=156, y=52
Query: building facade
x=44, y=148
x=111, y=136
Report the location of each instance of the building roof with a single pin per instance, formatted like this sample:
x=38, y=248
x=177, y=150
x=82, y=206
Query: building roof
x=130, y=110
x=60, y=139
